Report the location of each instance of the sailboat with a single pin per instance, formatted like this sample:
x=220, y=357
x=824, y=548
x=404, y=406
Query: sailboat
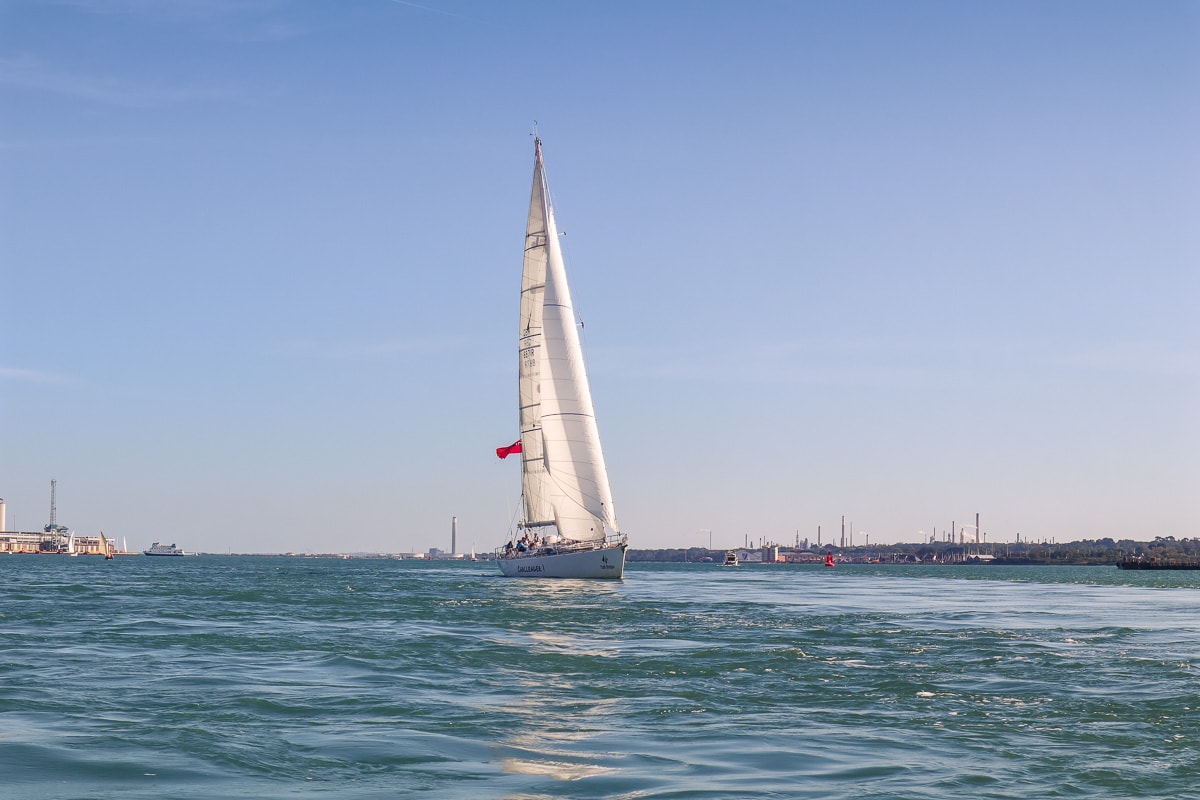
x=570, y=528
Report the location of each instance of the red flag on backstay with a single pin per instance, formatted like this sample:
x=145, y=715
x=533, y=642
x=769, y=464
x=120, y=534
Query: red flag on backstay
x=505, y=452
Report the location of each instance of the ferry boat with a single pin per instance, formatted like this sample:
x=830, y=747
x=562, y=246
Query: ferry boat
x=157, y=549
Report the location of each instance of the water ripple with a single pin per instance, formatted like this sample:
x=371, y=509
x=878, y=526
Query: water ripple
x=218, y=677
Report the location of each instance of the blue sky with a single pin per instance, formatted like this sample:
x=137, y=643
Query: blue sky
x=905, y=262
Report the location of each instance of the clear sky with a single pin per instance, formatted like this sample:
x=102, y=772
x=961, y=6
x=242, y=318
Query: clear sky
x=905, y=262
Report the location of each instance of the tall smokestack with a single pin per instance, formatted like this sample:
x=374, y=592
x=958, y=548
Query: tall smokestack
x=3, y=522
x=843, y=530
x=976, y=527
x=453, y=535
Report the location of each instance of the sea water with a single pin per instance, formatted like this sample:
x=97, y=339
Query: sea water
x=257, y=677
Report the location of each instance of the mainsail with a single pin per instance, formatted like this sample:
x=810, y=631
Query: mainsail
x=564, y=479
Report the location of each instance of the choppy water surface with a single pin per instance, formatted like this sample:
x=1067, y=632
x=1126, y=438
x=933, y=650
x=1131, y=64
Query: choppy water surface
x=237, y=677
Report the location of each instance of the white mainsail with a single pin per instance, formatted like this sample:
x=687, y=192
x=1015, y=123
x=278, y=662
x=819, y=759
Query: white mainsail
x=564, y=480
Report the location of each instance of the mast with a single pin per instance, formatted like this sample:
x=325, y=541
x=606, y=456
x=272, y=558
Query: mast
x=539, y=508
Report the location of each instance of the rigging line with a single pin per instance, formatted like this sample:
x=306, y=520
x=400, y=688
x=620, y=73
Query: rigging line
x=512, y=514
x=568, y=266
x=575, y=312
x=583, y=347
x=564, y=493
x=515, y=513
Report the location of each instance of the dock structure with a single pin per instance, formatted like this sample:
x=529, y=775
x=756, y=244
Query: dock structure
x=53, y=538
x=52, y=542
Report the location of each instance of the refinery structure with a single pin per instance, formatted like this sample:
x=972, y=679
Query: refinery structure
x=52, y=538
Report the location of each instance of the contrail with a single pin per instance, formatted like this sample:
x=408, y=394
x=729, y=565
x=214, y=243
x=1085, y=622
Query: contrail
x=427, y=8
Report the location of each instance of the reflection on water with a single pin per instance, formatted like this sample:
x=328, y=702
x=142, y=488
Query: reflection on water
x=548, y=741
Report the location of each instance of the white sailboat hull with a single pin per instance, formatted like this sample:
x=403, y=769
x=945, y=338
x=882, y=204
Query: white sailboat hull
x=606, y=562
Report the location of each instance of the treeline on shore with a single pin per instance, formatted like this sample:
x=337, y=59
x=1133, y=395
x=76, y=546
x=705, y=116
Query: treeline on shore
x=1085, y=552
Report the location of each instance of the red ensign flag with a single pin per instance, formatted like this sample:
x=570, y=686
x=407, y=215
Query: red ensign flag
x=505, y=452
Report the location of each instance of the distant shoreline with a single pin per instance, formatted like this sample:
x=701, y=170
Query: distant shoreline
x=1099, y=552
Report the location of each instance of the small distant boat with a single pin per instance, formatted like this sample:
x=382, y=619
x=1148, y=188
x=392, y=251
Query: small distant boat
x=731, y=559
x=829, y=559
x=157, y=549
